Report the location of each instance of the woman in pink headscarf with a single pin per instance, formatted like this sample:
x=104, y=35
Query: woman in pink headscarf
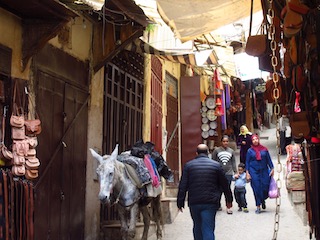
x=259, y=170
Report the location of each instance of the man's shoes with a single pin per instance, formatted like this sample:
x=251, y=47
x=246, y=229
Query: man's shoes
x=245, y=210
x=240, y=209
x=229, y=210
x=263, y=204
x=258, y=211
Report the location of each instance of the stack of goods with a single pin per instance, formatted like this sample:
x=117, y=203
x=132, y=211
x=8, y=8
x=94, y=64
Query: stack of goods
x=25, y=129
x=20, y=146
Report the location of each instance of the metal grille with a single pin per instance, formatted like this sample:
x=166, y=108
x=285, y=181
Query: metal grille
x=123, y=110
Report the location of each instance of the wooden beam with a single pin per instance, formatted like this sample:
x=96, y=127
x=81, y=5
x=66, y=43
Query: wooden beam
x=35, y=34
x=118, y=49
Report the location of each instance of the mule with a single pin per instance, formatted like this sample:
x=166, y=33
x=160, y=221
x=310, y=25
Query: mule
x=116, y=187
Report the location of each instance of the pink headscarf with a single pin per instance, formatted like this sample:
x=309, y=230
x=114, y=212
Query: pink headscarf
x=258, y=148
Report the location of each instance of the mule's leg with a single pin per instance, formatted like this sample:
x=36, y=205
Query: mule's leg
x=124, y=222
x=146, y=222
x=133, y=221
x=157, y=215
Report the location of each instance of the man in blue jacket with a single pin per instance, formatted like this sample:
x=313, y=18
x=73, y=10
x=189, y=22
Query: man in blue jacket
x=203, y=179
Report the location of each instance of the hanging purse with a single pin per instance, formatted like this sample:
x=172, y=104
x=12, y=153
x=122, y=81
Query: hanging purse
x=33, y=141
x=18, y=133
x=257, y=45
x=17, y=121
x=18, y=160
x=21, y=147
x=33, y=127
x=32, y=163
x=17, y=117
x=18, y=170
x=300, y=124
x=31, y=174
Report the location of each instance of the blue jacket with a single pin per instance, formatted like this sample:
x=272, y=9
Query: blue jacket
x=203, y=179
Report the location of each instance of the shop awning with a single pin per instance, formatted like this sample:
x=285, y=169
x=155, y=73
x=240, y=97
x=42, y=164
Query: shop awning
x=190, y=19
x=217, y=57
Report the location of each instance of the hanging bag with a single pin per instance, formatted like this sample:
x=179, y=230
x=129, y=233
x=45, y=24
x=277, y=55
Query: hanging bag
x=17, y=116
x=273, y=189
x=258, y=45
x=33, y=126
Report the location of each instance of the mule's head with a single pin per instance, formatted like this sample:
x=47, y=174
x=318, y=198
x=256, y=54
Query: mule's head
x=106, y=172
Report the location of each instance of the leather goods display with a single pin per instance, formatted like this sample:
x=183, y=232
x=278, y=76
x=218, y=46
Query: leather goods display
x=33, y=127
x=257, y=45
x=18, y=133
x=31, y=174
x=298, y=78
x=17, y=207
x=17, y=121
x=300, y=124
x=31, y=152
x=18, y=170
x=18, y=159
x=32, y=163
x=33, y=141
x=21, y=147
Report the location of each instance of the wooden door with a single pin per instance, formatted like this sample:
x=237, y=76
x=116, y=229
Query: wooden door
x=156, y=103
x=172, y=124
x=62, y=107
x=190, y=117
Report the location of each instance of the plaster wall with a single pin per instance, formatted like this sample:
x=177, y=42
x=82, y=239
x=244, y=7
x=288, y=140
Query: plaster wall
x=11, y=37
x=80, y=37
x=95, y=123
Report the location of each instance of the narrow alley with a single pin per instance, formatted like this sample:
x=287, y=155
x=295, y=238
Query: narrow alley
x=250, y=226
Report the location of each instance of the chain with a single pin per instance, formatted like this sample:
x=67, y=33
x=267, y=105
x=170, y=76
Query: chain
x=276, y=112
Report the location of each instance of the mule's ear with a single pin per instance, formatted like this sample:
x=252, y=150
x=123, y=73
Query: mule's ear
x=114, y=154
x=96, y=155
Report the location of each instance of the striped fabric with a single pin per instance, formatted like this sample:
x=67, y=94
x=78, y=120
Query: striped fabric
x=143, y=47
x=227, y=70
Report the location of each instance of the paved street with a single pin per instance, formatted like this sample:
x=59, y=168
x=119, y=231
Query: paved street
x=249, y=226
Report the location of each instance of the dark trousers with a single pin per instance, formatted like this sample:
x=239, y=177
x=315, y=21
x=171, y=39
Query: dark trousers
x=229, y=177
x=240, y=196
x=204, y=218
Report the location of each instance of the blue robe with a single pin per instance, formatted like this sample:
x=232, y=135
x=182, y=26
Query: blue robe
x=259, y=171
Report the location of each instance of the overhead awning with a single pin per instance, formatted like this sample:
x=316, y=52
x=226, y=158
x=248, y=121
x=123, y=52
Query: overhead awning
x=190, y=19
x=142, y=47
x=217, y=57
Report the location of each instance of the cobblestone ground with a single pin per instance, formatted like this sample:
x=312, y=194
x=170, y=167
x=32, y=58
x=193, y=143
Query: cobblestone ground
x=249, y=226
